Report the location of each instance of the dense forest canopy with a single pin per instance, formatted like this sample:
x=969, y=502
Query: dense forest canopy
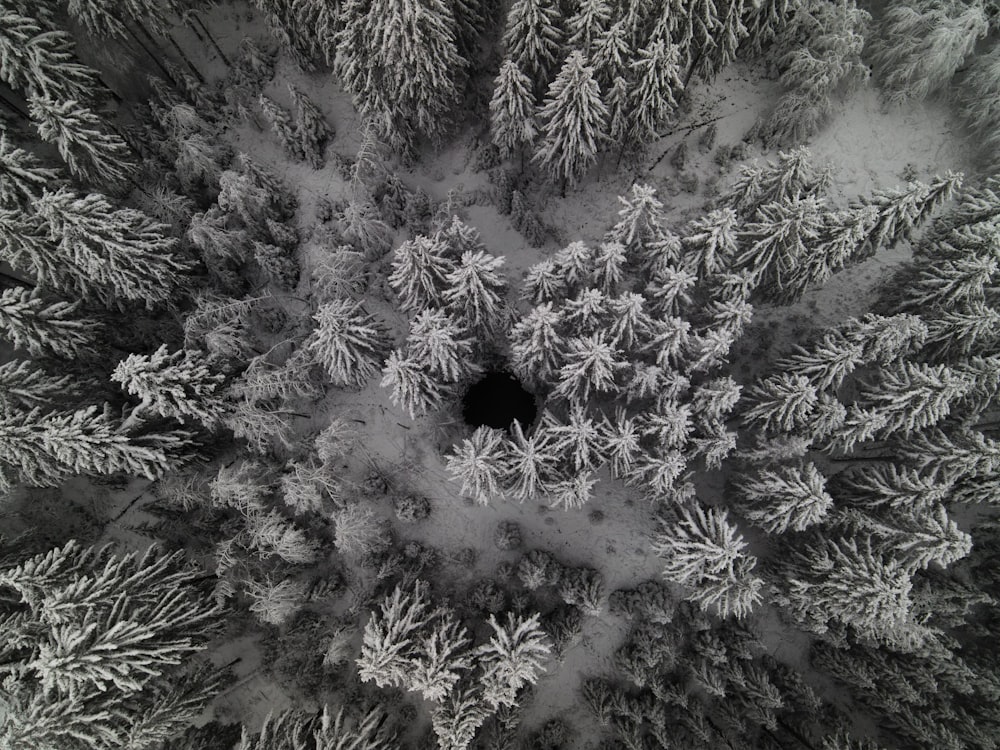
x=724, y=276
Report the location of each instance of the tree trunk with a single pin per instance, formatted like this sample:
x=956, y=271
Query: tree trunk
x=694, y=64
x=11, y=278
x=151, y=56
x=15, y=108
x=196, y=20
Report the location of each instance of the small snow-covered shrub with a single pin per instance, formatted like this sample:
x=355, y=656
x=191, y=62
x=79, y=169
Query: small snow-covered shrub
x=539, y=568
x=488, y=596
x=583, y=587
x=358, y=531
x=411, y=508
x=507, y=535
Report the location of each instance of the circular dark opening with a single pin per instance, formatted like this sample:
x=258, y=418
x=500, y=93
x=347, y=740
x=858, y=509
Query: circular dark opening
x=496, y=400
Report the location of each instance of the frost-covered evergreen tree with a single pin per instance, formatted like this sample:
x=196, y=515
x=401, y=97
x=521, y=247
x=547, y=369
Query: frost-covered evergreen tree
x=400, y=63
x=349, y=342
x=791, y=177
x=789, y=497
x=41, y=448
x=92, y=153
x=912, y=397
x=917, y=48
x=765, y=21
x=591, y=365
x=572, y=121
x=22, y=175
x=512, y=658
x=710, y=243
x=610, y=55
x=846, y=581
x=512, y=110
x=24, y=385
x=781, y=403
x=97, y=640
x=655, y=76
x=441, y=345
x=533, y=39
x=116, y=252
x=537, y=345
x=176, y=384
x=476, y=291
x=106, y=19
x=640, y=226
x=312, y=131
x=480, y=464
x=281, y=123
x=703, y=550
x=420, y=268
x=39, y=60
x=821, y=57
x=347, y=728
x=413, y=388
x=584, y=27
x=46, y=327
x=531, y=463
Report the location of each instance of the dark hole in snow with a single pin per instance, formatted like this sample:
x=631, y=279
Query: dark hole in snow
x=496, y=400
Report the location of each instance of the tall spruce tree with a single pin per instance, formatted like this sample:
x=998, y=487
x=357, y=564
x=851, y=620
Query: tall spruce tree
x=43, y=327
x=102, y=645
x=116, y=253
x=400, y=63
x=512, y=110
x=91, y=152
x=573, y=122
x=533, y=39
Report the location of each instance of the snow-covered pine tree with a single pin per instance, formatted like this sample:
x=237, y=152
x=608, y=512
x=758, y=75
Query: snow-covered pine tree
x=710, y=243
x=620, y=442
x=22, y=175
x=281, y=123
x=669, y=290
x=916, y=538
x=578, y=439
x=630, y=323
x=704, y=551
x=441, y=345
x=825, y=363
x=349, y=342
x=910, y=397
x=458, y=718
x=24, y=385
x=104, y=19
x=791, y=177
x=669, y=342
x=780, y=403
x=120, y=252
x=92, y=153
x=765, y=21
x=591, y=365
x=979, y=94
x=274, y=601
x=39, y=60
x=727, y=38
x=788, y=497
x=512, y=658
x=420, y=268
x=46, y=327
x=844, y=580
x=480, y=464
x=96, y=645
x=610, y=55
x=640, y=225
x=476, y=293
x=531, y=464
x=572, y=121
x=312, y=130
x=537, y=345
x=346, y=728
x=512, y=111
x=400, y=63
x=587, y=25
x=655, y=82
x=821, y=55
x=413, y=388
x=778, y=242
x=177, y=385
x=533, y=39
x=918, y=47
x=693, y=27
x=544, y=282
x=902, y=211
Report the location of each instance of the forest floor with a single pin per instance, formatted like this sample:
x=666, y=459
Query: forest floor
x=868, y=147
